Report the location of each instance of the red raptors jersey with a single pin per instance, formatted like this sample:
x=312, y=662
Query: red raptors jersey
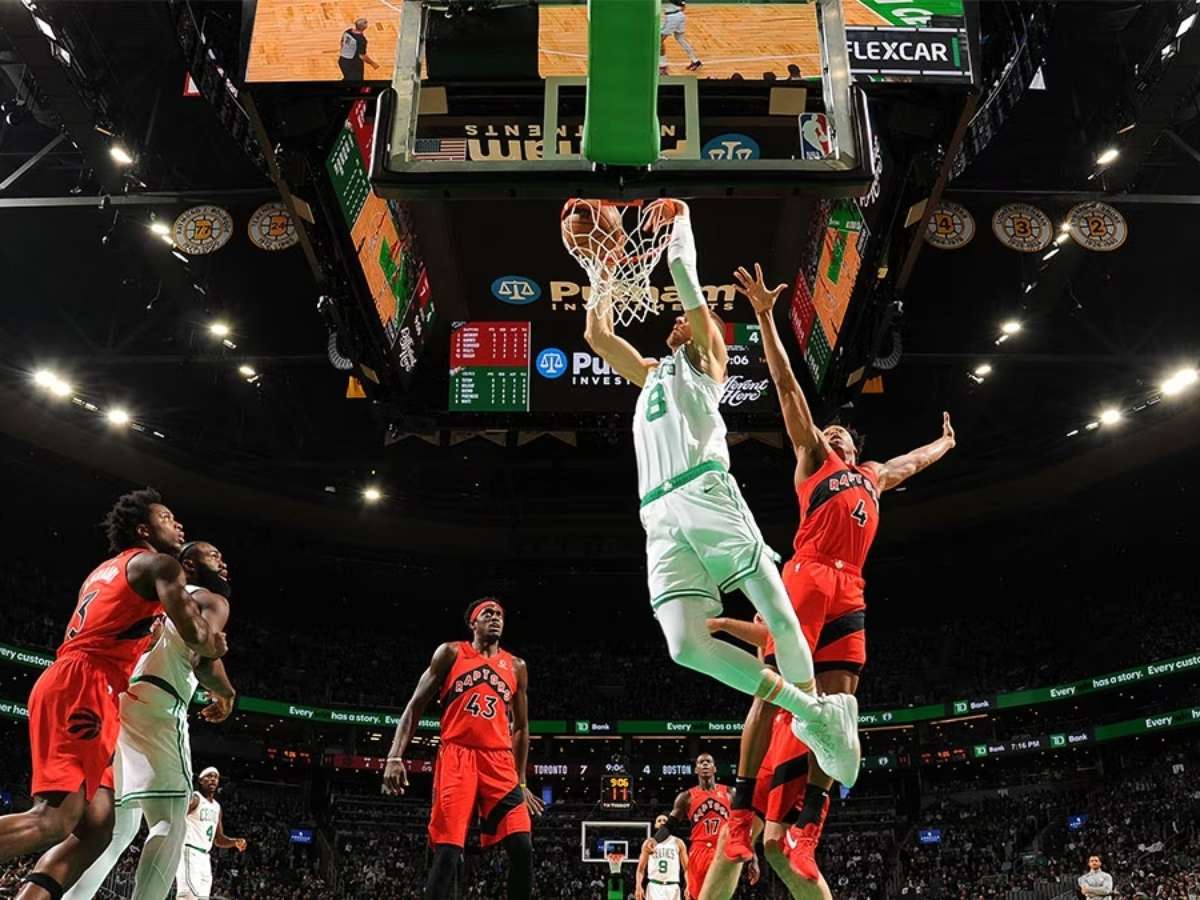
x=111, y=621
x=839, y=511
x=708, y=811
x=477, y=699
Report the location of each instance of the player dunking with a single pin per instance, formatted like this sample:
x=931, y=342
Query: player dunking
x=480, y=768
x=661, y=865
x=73, y=716
x=705, y=807
x=674, y=24
x=701, y=538
x=839, y=514
x=152, y=767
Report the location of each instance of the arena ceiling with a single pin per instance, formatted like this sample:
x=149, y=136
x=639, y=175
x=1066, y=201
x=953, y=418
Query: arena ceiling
x=91, y=293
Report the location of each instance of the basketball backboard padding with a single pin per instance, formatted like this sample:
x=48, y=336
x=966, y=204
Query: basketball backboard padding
x=395, y=173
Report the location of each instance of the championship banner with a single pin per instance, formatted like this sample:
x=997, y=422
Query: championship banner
x=951, y=227
x=203, y=229
x=1097, y=226
x=1022, y=227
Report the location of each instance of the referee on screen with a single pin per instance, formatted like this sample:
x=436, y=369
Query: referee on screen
x=353, y=52
x=1095, y=882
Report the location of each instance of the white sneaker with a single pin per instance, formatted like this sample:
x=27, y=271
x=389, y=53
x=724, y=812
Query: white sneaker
x=832, y=736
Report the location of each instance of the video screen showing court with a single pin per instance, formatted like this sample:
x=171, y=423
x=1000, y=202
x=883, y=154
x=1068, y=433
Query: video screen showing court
x=323, y=40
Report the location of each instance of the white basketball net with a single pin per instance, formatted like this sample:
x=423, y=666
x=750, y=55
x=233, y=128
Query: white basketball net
x=618, y=252
x=614, y=862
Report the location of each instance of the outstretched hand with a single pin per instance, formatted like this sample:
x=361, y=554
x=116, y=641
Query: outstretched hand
x=395, y=778
x=755, y=289
x=948, y=429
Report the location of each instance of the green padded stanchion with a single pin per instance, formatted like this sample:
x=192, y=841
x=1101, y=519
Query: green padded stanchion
x=620, y=127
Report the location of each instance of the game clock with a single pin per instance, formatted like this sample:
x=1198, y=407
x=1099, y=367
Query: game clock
x=616, y=791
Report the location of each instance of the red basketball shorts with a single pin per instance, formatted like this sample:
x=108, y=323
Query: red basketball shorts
x=73, y=725
x=829, y=603
x=783, y=775
x=469, y=784
x=700, y=858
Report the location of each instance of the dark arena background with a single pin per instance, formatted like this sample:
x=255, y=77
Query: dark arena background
x=307, y=279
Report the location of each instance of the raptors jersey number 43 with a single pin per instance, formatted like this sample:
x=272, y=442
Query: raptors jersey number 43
x=477, y=698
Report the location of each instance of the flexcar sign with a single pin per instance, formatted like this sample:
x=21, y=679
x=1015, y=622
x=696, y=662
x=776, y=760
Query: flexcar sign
x=516, y=289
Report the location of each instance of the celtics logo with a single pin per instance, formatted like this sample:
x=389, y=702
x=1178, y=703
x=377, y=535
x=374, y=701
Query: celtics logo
x=1097, y=226
x=1022, y=227
x=203, y=229
x=271, y=228
x=950, y=227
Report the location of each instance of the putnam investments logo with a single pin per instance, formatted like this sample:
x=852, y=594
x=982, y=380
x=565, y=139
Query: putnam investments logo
x=516, y=290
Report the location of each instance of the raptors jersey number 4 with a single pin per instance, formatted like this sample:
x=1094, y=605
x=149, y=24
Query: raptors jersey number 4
x=839, y=511
x=477, y=699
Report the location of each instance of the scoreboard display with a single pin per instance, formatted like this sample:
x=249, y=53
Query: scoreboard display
x=616, y=791
x=524, y=366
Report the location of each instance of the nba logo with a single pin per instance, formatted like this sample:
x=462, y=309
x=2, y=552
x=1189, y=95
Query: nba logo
x=816, y=139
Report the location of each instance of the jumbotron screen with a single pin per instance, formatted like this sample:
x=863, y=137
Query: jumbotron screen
x=385, y=245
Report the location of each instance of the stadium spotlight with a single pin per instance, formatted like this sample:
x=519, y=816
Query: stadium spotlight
x=1110, y=416
x=1186, y=25
x=160, y=228
x=1054, y=251
x=44, y=378
x=1062, y=238
x=1180, y=381
x=1092, y=426
x=1012, y=326
x=218, y=329
x=117, y=416
x=246, y=371
x=1108, y=155
x=372, y=494
x=118, y=152
x=1064, y=227
x=983, y=369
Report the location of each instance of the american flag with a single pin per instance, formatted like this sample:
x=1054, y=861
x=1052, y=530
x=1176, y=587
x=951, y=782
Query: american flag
x=440, y=149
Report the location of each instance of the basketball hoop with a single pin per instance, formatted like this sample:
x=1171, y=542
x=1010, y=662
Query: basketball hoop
x=618, y=245
x=615, y=859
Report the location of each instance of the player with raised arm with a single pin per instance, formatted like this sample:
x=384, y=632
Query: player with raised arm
x=839, y=513
x=701, y=539
x=152, y=767
x=480, y=768
x=660, y=866
x=73, y=714
x=205, y=830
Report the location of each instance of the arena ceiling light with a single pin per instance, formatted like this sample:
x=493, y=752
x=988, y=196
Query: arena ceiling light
x=118, y=152
x=1185, y=26
x=219, y=329
x=983, y=370
x=1180, y=381
x=246, y=371
x=49, y=381
x=117, y=416
x=1108, y=155
x=1110, y=416
x=372, y=494
x=160, y=228
x=1054, y=251
x=1062, y=238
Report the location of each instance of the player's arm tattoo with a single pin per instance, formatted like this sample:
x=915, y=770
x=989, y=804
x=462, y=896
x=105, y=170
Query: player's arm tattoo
x=427, y=688
x=602, y=337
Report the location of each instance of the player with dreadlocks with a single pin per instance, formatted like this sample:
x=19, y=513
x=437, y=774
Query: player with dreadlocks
x=73, y=712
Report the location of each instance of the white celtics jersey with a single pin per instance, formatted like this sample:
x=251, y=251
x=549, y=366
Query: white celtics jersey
x=664, y=863
x=677, y=423
x=170, y=660
x=202, y=824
